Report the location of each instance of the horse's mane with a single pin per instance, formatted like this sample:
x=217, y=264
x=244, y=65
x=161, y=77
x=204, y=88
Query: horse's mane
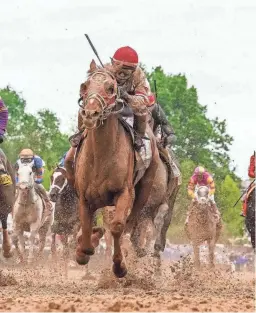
x=99, y=70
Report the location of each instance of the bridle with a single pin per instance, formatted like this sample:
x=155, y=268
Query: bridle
x=65, y=182
x=106, y=107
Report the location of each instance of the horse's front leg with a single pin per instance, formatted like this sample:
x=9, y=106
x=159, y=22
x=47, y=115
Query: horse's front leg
x=161, y=223
x=84, y=247
x=64, y=241
x=33, y=232
x=123, y=204
x=108, y=240
x=6, y=239
x=53, y=247
x=42, y=239
x=18, y=241
x=196, y=255
x=211, y=246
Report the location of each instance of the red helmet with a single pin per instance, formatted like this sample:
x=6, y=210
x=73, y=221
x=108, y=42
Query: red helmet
x=126, y=56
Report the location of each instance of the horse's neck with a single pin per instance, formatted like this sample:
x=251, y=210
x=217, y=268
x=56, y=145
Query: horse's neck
x=32, y=193
x=104, y=139
x=201, y=213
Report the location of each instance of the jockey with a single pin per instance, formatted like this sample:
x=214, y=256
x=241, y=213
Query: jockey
x=134, y=89
x=27, y=156
x=251, y=174
x=252, y=167
x=3, y=119
x=201, y=177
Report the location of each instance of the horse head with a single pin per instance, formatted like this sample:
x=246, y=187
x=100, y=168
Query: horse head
x=26, y=177
x=203, y=196
x=98, y=95
x=58, y=182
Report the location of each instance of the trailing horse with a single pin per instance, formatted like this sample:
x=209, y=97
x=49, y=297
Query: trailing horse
x=28, y=214
x=7, y=196
x=106, y=166
x=65, y=215
x=66, y=219
x=153, y=220
x=203, y=225
x=250, y=214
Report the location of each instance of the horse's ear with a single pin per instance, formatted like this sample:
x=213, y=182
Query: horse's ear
x=83, y=88
x=93, y=66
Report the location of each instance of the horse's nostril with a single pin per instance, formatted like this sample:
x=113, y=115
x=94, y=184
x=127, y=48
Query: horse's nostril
x=95, y=114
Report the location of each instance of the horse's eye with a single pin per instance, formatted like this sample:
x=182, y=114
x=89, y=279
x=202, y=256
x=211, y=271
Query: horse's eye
x=111, y=90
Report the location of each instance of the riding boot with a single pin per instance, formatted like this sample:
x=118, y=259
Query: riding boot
x=76, y=138
x=161, y=120
x=140, y=123
x=48, y=204
x=69, y=165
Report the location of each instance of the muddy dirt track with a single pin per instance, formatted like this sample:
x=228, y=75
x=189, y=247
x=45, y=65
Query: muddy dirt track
x=179, y=288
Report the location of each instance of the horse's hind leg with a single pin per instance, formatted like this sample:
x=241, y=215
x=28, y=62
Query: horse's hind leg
x=6, y=239
x=85, y=247
x=140, y=234
x=161, y=222
x=123, y=204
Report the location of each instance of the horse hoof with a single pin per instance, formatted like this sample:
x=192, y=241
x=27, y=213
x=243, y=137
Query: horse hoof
x=100, y=230
x=89, y=251
x=158, y=247
x=8, y=254
x=82, y=259
x=141, y=253
x=119, y=270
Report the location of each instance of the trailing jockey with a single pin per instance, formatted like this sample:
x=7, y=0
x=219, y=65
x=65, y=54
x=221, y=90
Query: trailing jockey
x=201, y=177
x=3, y=119
x=134, y=89
x=62, y=161
x=27, y=156
x=251, y=174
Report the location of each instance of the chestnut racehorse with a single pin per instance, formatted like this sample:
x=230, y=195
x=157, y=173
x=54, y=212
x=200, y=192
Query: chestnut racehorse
x=105, y=163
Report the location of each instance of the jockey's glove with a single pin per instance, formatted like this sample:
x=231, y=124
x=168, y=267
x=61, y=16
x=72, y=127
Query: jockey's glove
x=211, y=197
x=1, y=138
x=123, y=94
